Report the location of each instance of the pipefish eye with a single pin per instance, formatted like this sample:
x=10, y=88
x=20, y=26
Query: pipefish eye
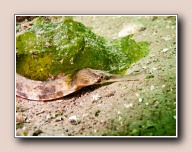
x=99, y=79
x=102, y=76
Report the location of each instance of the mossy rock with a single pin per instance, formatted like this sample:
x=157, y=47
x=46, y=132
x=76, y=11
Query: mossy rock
x=49, y=48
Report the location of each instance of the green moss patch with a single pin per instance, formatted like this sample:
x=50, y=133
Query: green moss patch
x=50, y=48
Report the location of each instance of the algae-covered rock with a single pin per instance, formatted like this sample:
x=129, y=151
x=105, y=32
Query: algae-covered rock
x=49, y=48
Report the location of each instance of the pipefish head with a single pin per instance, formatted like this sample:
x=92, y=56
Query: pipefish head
x=98, y=76
x=87, y=77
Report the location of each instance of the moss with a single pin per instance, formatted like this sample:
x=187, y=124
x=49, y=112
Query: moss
x=155, y=120
x=58, y=114
x=149, y=76
x=35, y=67
x=25, y=133
x=66, y=46
x=19, y=126
x=165, y=126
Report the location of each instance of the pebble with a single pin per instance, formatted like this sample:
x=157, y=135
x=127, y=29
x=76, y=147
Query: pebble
x=119, y=113
x=59, y=118
x=154, y=69
x=20, y=118
x=128, y=105
x=48, y=117
x=137, y=94
x=165, y=50
x=96, y=97
x=152, y=87
x=73, y=120
x=129, y=29
x=140, y=100
x=144, y=67
x=163, y=86
x=167, y=38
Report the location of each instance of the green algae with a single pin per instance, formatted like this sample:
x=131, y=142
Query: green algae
x=50, y=48
x=36, y=68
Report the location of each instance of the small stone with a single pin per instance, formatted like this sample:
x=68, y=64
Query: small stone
x=152, y=87
x=47, y=44
x=20, y=118
x=144, y=67
x=129, y=29
x=61, y=61
x=59, y=119
x=167, y=38
x=119, y=113
x=84, y=115
x=163, y=86
x=48, y=117
x=154, y=69
x=71, y=61
x=156, y=103
x=165, y=50
x=73, y=120
x=128, y=105
x=140, y=100
x=96, y=97
x=24, y=128
x=137, y=94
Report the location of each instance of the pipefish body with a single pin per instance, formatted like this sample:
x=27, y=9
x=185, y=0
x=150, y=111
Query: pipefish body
x=63, y=86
